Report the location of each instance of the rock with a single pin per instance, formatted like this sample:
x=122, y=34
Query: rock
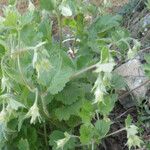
x=134, y=76
x=145, y=22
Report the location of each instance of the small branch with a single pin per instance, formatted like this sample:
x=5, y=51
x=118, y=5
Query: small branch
x=19, y=51
x=75, y=136
x=137, y=5
x=129, y=92
x=116, y=132
x=144, y=50
x=83, y=71
x=138, y=53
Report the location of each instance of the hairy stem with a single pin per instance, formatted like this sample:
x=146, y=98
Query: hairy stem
x=83, y=71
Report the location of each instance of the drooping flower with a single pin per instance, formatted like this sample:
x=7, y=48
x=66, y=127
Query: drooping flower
x=34, y=114
x=3, y=116
x=5, y=84
x=61, y=143
x=31, y=6
x=65, y=10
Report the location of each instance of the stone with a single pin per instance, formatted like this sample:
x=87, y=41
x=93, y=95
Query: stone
x=134, y=76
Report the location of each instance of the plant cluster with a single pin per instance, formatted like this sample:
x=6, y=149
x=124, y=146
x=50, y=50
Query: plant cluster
x=50, y=96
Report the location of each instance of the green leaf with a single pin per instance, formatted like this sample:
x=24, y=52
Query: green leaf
x=73, y=121
x=118, y=81
x=60, y=73
x=86, y=134
x=121, y=37
x=60, y=79
x=101, y=29
x=23, y=144
x=102, y=127
x=64, y=112
x=107, y=105
x=46, y=28
x=26, y=18
x=87, y=112
x=47, y=4
x=128, y=121
x=11, y=18
x=12, y=2
x=30, y=36
x=105, y=55
x=104, y=23
x=70, y=94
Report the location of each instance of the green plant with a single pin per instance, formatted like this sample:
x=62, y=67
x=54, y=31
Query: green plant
x=148, y=4
x=46, y=97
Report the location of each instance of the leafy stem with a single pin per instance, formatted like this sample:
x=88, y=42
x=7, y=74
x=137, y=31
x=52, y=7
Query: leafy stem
x=27, y=49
